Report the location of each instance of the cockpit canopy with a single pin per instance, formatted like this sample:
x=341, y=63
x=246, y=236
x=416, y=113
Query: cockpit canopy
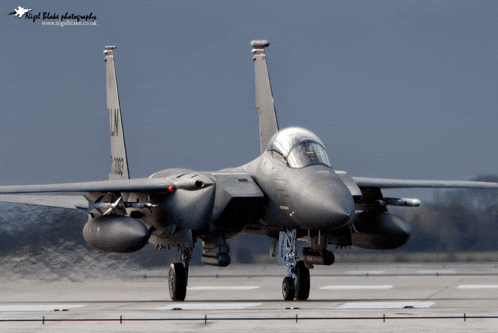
x=299, y=147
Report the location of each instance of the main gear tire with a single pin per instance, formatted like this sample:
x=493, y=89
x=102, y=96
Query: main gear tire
x=177, y=282
x=303, y=281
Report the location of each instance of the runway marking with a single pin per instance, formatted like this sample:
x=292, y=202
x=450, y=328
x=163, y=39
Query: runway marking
x=207, y=306
x=435, y=271
x=478, y=286
x=355, y=287
x=364, y=272
x=384, y=305
x=224, y=288
x=48, y=307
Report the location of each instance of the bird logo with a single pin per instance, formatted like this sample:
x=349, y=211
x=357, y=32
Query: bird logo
x=20, y=11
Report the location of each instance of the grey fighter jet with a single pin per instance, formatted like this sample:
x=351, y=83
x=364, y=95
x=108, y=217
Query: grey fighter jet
x=288, y=193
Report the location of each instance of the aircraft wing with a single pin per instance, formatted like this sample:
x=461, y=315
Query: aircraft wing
x=124, y=185
x=60, y=201
x=238, y=185
x=383, y=183
x=41, y=195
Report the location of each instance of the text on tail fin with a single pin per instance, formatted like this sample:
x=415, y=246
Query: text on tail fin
x=268, y=124
x=119, y=161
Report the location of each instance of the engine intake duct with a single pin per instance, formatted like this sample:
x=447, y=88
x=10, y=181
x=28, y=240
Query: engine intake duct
x=313, y=257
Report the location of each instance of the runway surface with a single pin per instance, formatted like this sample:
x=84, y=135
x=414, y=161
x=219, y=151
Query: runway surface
x=343, y=298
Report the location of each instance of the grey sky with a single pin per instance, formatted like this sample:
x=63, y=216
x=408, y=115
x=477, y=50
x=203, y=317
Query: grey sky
x=394, y=89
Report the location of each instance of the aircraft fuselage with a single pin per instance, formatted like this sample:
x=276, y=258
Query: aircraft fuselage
x=312, y=197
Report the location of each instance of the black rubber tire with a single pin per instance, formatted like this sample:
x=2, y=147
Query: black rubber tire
x=303, y=281
x=177, y=282
x=288, y=289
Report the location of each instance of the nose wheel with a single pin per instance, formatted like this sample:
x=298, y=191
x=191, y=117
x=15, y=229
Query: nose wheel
x=288, y=288
x=297, y=285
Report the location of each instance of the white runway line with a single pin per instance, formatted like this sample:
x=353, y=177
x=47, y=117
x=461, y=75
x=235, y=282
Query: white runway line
x=384, y=305
x=208, y=306
x=224, y=288
x=478, y=286
x=434, y=271
x=48, y=307
x=364, y=272
x=356, y=287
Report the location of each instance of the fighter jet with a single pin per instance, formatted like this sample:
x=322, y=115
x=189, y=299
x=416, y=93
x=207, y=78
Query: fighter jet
x=289, y=193
x=20, y=11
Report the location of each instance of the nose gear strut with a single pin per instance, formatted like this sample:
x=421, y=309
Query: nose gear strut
x=297, y=282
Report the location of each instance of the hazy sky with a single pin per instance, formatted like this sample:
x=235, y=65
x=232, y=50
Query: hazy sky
x=395, y=89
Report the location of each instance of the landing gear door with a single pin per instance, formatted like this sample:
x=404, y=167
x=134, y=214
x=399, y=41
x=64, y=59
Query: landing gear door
x=286, y=246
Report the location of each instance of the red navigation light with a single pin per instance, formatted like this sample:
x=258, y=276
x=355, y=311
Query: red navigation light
x=170, y=188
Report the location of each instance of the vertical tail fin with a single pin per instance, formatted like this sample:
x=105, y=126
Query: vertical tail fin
x=268, y=124
x=119, y=166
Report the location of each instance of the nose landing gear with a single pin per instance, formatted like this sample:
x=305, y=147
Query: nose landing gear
x=296, y=285
x=288, y=288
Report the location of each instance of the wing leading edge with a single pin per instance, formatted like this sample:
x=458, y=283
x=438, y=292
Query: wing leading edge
x=383, y=183
x=125, y=185
x=41, y=195
x=238, y=185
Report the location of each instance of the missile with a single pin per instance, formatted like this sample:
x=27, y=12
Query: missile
x=403, y=202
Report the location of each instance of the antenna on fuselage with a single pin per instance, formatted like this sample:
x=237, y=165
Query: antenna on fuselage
x=268, y=124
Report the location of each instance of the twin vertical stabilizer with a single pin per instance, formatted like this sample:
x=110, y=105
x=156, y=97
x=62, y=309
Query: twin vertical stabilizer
x=268, y=124
x=119, y=162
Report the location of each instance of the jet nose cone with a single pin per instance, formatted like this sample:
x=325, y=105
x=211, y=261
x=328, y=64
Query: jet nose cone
x=330, y=204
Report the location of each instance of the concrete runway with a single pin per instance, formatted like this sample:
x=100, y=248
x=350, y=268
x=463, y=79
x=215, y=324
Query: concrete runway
x=343, y=298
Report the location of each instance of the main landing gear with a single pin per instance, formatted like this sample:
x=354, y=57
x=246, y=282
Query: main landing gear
x=296, y=284
x=178, y=276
